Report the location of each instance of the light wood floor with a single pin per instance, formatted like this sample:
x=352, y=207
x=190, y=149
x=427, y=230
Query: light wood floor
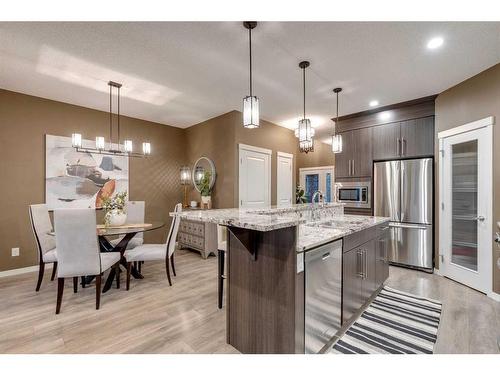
x=155, y=318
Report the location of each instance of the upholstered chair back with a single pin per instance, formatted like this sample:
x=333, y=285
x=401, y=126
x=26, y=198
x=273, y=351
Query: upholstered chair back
x=135, y=214
x=41, y=225
x=76, y=240
x=172, y=234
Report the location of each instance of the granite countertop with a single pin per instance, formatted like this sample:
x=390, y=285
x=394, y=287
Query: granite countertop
x=262, y=219
x=318, y=233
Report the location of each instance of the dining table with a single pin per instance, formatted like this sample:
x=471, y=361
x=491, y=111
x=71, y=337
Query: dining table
x=126, y=232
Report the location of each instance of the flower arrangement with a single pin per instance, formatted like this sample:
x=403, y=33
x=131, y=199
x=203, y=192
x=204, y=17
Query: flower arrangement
x=300, y=195
x=115, y=208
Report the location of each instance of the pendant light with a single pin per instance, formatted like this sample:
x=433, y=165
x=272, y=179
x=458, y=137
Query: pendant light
x=336, y=139
x=100, y=143
x=250, y=102
x=305, y=131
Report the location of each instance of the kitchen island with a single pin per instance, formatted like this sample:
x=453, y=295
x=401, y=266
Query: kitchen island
x=296, y=274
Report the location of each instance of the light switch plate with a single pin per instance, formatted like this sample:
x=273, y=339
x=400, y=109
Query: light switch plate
x=15, y=252
x=300, y=262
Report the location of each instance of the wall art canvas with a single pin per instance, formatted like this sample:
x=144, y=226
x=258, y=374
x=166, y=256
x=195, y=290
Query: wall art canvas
x=81, y=179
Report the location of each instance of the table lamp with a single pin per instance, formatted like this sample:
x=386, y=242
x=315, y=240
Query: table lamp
x=185, y=181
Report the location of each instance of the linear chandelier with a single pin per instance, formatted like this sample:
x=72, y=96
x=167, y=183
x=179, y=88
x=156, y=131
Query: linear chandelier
x=250, y=102
x=305, y=131
x=336, y=138
x=100, y=143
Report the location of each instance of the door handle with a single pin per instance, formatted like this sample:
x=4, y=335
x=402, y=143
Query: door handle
x=480, y=218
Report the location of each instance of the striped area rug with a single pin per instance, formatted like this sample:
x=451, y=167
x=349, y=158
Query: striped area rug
x=394, y=323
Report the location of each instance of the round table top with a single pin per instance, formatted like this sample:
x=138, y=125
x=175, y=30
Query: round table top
x=134, y=228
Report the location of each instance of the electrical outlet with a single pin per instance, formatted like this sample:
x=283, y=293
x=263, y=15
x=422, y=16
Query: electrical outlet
x=15, y=251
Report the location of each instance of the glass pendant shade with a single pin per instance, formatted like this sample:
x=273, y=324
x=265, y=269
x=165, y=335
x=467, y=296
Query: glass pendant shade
x=185, y=175
x=251, y=112
x=99, y=143
x=127, y=145
x=306, y=146
x=76, y=140
x=146, y=148
x=336, y=144
x=305, y=130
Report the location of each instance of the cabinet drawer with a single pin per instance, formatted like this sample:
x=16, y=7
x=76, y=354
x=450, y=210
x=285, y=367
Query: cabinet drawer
x=359, y=238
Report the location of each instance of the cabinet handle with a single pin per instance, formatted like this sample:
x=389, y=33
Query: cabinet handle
x=350, y=167
x=399, y=146
x=353, y=168
x=403, y=149
x=365, y=272
x=359, y=263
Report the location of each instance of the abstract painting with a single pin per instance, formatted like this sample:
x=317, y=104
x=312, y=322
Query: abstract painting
x=81, y=179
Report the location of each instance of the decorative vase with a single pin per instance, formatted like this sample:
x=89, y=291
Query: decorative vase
x=115, y=218
x=206, y=201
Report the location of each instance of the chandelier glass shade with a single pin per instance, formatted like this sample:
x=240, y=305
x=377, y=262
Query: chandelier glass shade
x=305, y=132
x=336, y=138
x=117, y=149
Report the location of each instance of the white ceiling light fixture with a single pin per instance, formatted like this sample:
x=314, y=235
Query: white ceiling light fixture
x=250, y=102
x=435, y=43
x=100, y=143
x=305, y=130
x=336, y=138
x=373, y=103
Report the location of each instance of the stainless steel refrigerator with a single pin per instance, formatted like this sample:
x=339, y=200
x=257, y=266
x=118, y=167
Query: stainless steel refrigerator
x=403, y=191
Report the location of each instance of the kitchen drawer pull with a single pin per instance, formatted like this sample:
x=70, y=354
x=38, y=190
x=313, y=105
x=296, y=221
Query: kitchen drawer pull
x=325, y=256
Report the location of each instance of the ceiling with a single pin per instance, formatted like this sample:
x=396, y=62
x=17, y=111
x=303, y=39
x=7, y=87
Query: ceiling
x=182, y=73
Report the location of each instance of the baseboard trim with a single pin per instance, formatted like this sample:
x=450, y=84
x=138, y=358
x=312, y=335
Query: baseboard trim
x=494, y=296
x=20, y=271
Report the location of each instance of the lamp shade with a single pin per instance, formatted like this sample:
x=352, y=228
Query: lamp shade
x=185, y=175
x=251, y=112
x=76, y=140
x=305, y=130
x=336, y=144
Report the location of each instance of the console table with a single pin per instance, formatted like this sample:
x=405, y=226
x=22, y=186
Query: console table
x=198, y=236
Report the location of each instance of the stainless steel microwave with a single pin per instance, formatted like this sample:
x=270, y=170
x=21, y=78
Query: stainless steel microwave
x=355, y=194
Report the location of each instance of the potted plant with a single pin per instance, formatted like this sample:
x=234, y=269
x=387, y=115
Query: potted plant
x=205, y=190
x=300, y=196
x=115, y=209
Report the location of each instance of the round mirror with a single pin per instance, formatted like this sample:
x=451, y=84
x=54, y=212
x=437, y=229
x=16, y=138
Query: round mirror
x=203, y=169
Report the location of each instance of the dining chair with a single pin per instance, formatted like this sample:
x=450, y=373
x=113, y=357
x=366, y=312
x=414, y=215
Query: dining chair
x=156, y=251
x=45, y=242
x=135, y=215
x=78, y=251
x=221, y=252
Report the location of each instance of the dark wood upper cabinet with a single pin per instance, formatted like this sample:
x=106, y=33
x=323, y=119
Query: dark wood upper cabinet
x=385, y=141
x=361, y=165
x=417, y=137
x=343, y=159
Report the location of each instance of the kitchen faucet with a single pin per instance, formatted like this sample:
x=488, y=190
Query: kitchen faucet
x=317, y=193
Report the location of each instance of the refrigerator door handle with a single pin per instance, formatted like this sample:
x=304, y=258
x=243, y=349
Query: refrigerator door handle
x=409, y=226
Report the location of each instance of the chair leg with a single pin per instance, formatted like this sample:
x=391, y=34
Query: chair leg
x=60, y=290
x=75, y=284
x=54, y=271
x=40, y=275
x=97, y=292
x=220, y=277
x=117, y=268
x=83, y=282
x=167, y=266
x=129, y=268
x=173, y=264
x=139, y=266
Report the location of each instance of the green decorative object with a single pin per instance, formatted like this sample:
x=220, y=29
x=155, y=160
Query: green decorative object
x=300, y=195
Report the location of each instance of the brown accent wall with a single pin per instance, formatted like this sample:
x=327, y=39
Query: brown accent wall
x=214, y=139
x=24, y=121
x=321, y=157
x=471, y=100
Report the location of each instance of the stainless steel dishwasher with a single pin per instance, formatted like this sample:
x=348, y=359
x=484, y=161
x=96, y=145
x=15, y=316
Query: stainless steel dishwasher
x=323, y=294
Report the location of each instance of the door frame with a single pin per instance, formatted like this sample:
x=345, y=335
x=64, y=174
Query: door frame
x=285, y=155
x=486, y=123
x=241, y=147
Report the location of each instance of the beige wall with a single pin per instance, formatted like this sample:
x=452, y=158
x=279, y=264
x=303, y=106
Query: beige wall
x=24, y=121
x=474, y=99
x=322, y=156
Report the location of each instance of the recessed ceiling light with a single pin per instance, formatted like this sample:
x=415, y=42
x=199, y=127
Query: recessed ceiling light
x=435, y=43
x=385, y=115
x=373, y=103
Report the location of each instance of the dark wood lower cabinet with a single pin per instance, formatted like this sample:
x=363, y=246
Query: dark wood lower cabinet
x=364, y=269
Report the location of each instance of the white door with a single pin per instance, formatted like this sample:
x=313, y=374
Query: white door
x=254, y=176
x=284, y=186
x=318, y=178
x=466, y=208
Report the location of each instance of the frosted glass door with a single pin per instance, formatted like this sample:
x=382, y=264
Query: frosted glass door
x=313, y=179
